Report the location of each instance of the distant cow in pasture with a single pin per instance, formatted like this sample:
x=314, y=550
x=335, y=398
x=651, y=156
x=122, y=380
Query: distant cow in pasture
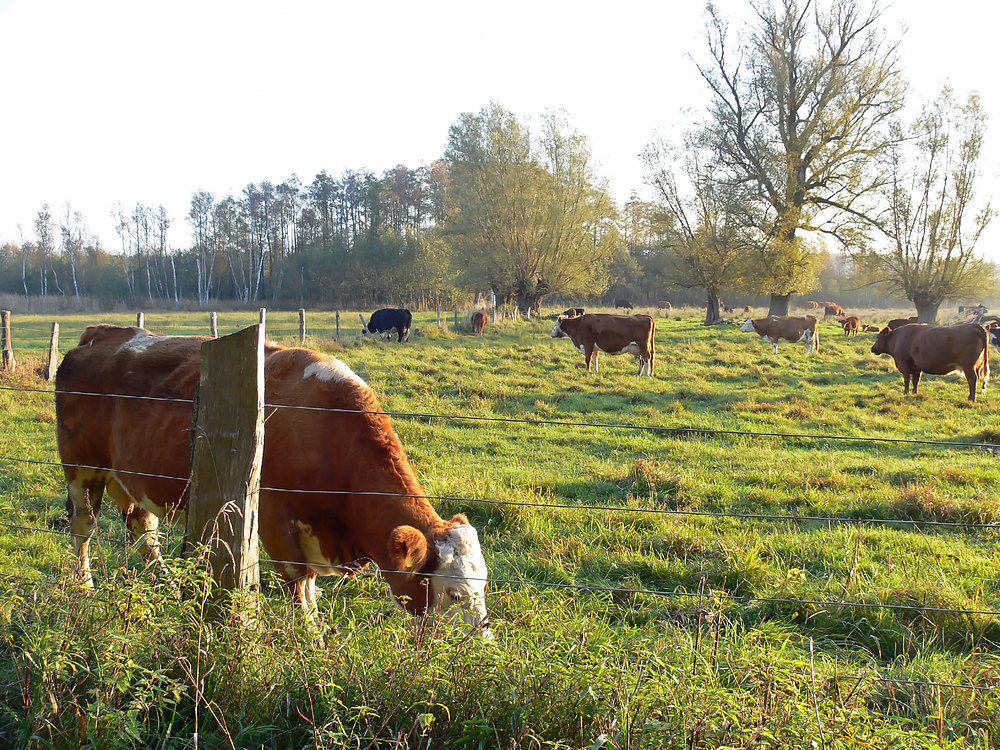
x=792, y=328
x=664, y=304
x=572, y=312
x=813, y=305
x=748, y=309
x=612, y=334
x=337, y=490
x=850, y=325
x=897, y=322
x=479, y=321
x=870, y=328
x=832, y=310
x=385, y=320
x=623, y=303
x=726, y=308
x=993, y=331
x=917, y=348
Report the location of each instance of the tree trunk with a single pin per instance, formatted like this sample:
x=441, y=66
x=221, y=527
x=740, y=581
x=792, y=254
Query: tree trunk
x=713, y=309
x=927, y=308
x=781, y=304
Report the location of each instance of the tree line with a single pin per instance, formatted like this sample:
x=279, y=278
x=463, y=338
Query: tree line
x=801, y=175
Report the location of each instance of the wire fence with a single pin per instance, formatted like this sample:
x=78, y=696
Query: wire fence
x=676, y=593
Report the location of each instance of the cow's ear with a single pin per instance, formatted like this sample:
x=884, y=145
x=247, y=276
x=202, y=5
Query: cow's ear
x=459, y=519
x=407, y=548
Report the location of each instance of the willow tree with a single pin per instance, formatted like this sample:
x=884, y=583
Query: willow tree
x=528, y=217
x=799, y=108
x=708, y=248
x=934, y=218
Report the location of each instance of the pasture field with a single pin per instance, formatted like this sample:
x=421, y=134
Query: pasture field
x=658, y=609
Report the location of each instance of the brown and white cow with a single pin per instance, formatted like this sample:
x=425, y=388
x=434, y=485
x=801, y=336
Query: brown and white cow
x=478, y=322
x=850, y=325
x=308, y=453
x=917, y=348
x=612, y=334
x=813, y=304
x=572, y=312
x=748, y=309
x=792, y=328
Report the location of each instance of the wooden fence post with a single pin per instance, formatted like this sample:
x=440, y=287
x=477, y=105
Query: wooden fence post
x=364, y=326
x=338, y=326
x=456, y=320
x=9, y=363
x=263, y=316
x=50, y=371
x=439, y=314
x=140, y=320
x=227, y=448
x=302, y=325
x=213, y=324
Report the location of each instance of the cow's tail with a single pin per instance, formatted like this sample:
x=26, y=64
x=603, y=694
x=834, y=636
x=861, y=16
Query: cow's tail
x=652, y=344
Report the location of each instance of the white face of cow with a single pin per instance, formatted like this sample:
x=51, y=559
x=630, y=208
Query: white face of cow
x=557, y=332
x=459, y=586
x=747, y=327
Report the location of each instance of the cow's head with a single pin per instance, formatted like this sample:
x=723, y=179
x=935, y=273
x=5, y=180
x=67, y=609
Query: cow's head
x=448, y=572
x=558, y=332
x=748, y=326
x=881, y=345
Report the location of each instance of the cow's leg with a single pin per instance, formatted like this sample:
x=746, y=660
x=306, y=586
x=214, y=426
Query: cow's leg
x=972, y=377
x=915, y=376
x=143, y=527
x=303, y=588
x=774, y=345
x=83, y=503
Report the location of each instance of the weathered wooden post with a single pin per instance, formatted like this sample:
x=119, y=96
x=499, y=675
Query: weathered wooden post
x=364, y=326
x=263, y=315
x=226, y=453
x=302, y=325
x=338, y=326
x=493, y=304
x=50, y=370
x=213, y=324
x=439, y=314
x=456, y=320
x=140, y=320
x=9, y=363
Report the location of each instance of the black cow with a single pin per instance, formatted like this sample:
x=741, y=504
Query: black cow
x=383, y=321
x=623, y=303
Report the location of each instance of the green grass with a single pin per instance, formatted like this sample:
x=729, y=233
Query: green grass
x=131, y=666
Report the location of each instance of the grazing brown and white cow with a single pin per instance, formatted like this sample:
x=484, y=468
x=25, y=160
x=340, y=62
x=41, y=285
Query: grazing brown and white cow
x=478, y=321
x=917, y=348
x=319, y=512
x=664, y=304
x=850, y=325
x=612, y=334
x=792, y=328
x=993, y=331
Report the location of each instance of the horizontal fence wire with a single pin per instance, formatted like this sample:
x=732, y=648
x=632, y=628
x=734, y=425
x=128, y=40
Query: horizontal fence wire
x=681, y=594
x=683, y=431
x=793, y=518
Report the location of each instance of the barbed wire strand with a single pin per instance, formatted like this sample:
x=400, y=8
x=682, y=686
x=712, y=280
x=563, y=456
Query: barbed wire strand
x=563, y=506
x=991, y=447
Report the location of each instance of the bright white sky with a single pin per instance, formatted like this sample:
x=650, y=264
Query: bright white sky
x=118, y=101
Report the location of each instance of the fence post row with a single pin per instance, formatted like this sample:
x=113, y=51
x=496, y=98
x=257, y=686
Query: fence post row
x=338, y=326
x=9, y=363
x=213, y=324
x=50, y=370
x=226, y=453
x=140, y=320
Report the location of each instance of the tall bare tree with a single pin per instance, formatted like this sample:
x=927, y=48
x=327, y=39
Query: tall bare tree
x=800, y=106
x=933, y=219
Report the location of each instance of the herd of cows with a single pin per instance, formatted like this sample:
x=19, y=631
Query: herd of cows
x=337, y=490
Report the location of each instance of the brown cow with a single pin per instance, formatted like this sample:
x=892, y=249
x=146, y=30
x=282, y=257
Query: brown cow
x=748, y=309
x=479, y=321
x=613, y=334
x=897, y=322
x=321, y=466
x=851, y=325
x=832, y=310
x=813, y=305
x=917, y=348
x=869, y=328
x=792, y=328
